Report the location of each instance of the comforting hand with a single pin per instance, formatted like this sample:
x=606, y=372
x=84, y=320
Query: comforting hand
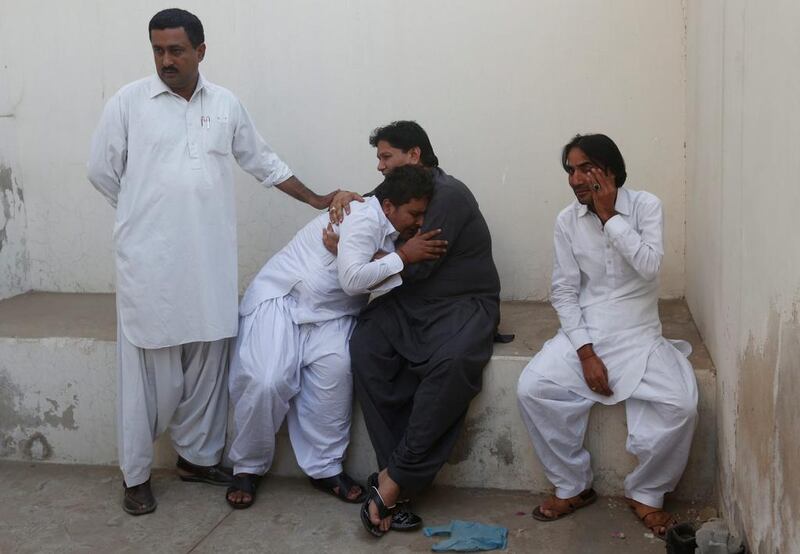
x=422, y=247
x=594, y=371
x=340, y=204
x=604, y=194
x=331, y=240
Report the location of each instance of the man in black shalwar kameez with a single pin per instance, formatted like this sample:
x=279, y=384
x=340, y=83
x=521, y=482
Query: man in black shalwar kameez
x=418, y=353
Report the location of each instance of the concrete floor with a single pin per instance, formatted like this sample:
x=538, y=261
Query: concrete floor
x=68, y=508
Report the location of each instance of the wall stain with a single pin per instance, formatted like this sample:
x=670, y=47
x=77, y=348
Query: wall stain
x=503, y=449
x=36, y=447
x=787, y=414
x=473, y=428
x=14, y=414
x=8, y=446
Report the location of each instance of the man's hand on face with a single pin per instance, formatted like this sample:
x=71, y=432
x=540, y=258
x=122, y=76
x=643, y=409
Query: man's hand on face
x=331, y=240
x=340, y=205
x=594, y=371
x=422, y=247
x=604, y=194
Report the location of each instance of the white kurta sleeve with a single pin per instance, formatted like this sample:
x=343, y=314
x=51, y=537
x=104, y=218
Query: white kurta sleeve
x=360, y=238
x=643, y=251
x=253, y=154
x=109, y=151
x=566, y=288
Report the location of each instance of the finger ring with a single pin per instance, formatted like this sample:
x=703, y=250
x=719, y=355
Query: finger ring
x=594, y=389
x=596, y=187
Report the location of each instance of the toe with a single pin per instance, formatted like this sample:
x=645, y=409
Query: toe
x=354, y=492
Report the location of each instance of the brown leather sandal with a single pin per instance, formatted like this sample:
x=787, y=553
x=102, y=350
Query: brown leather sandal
x=653, y=518
x=575, y=503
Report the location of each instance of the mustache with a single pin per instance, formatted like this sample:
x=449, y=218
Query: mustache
x=169, y=70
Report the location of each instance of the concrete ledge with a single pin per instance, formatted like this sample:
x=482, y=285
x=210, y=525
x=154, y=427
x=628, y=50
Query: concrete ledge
x=58, y=388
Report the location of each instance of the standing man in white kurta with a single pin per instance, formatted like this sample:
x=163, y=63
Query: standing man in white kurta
x=291, y=356
x=162, y=155
x=608, y=251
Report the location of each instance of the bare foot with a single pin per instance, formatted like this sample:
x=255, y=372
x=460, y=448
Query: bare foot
x=240, y=497
x=655, y=519
x=555, y=508
x=389, y=491
x=353, y=493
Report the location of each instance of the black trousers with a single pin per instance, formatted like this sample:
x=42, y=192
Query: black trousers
x=415, y=411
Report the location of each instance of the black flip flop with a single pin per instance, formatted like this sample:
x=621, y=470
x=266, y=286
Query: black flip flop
x=384, y=511
x=244, y=482
x=343, y=482
x=403, y=519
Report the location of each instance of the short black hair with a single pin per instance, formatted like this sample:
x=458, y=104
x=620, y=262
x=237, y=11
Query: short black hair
x=602, y=151
x=405, y=183
x=405, y=135
x=174, y=18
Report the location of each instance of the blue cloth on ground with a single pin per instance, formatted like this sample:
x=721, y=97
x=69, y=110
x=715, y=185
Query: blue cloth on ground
x=468, y=536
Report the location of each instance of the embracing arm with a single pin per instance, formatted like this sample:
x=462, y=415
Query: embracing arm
x=448, y=214
x=360, y=271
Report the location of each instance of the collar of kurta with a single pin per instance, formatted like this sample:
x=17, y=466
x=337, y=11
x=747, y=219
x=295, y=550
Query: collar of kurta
x=157, y=86
x=622, y=205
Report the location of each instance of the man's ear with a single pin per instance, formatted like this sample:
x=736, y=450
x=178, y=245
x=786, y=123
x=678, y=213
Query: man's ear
x=201, y=52
x=388, y=207
x=415, y=153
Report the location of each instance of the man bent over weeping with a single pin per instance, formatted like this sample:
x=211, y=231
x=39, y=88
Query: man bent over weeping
x=291, y=357
x=608, y=251
x=419, y=351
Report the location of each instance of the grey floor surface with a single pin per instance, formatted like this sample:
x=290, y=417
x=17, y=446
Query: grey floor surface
x=65, y=508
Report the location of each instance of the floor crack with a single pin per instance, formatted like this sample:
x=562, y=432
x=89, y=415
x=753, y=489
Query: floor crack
x=204, y=537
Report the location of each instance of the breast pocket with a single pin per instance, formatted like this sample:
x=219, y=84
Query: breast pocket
x=218, y=136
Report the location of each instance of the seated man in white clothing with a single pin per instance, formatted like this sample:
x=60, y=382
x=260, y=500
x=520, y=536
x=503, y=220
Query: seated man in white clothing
x=291, y=356
x=608, y=251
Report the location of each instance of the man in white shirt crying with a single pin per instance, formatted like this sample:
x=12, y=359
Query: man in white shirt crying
x=608, y=252
x=163, y=156
x=291, y=358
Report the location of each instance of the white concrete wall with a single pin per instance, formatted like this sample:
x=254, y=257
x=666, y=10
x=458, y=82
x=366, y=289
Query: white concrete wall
x=743, y=255
x=499, y=86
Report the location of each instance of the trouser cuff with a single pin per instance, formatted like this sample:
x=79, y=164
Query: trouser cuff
x=652, y=500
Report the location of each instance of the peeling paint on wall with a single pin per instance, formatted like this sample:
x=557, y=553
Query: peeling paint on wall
x=14, y=413
x=24, y=420
x=14, y=259
x=6, y=203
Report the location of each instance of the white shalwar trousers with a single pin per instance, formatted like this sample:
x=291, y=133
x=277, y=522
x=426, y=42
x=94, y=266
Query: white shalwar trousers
x=283, y=369
x=180, y=388
x=661, y=414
